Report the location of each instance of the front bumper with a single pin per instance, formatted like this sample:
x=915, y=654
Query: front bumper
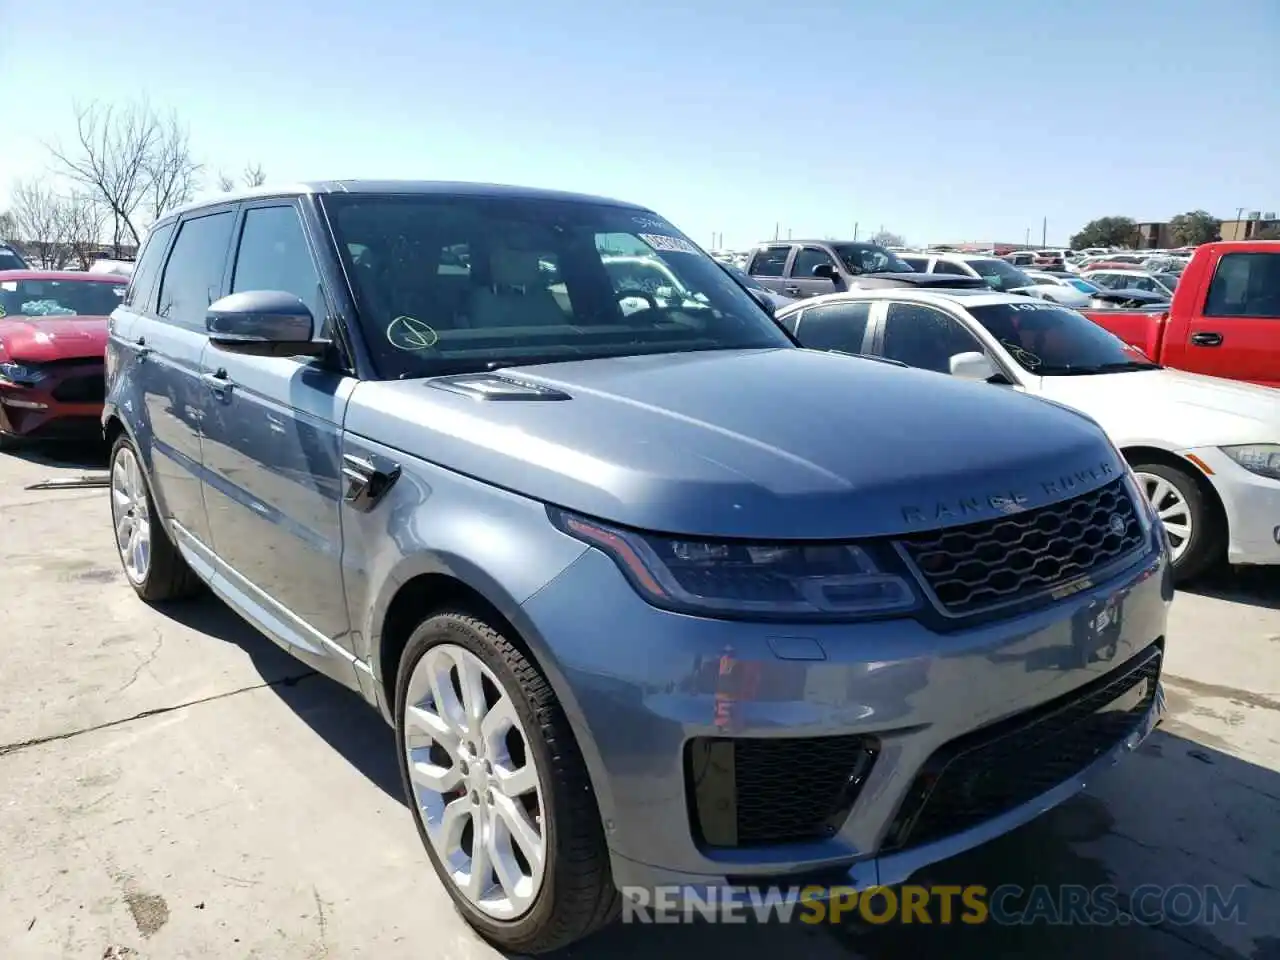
x=1252, y=505
x=65, y=404
x=643, y=687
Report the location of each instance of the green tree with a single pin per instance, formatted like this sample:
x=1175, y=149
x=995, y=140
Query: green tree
x=1106, y=232
x=1194, y=227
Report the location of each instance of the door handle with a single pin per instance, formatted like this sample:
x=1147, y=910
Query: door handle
x=790, y=288
x=1207, y=339
x=217, y=383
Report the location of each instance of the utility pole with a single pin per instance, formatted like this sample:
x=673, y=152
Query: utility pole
x=1027, y=242
x=788, y=233
x=855, y=230
x=1044, y=233
x=776, y=228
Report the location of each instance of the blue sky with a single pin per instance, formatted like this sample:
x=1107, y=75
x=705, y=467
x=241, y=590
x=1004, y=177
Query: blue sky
x=938, y=120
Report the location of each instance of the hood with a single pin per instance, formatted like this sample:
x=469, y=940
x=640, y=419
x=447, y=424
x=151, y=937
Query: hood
x=1067, y=296
x=767, y=444
x=871, y=281
x=1172, y=408
x=44, y=339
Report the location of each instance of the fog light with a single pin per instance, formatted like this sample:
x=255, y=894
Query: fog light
x=36, y=405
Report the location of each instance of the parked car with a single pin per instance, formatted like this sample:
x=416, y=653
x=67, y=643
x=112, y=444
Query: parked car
x=1204, y=449
x=770, y=300
x=809, y=268
x=1162, y=283
x=1219, y=319
x=606, y=572
x=995, y=274
x=1040, y=259
x=53, y=333
x=1046, y=279
x=119, y=268
x=10, y=259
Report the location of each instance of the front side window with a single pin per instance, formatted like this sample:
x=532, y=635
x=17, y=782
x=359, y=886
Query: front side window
x=58, y=298
x=1245, y=285
x=544, y=280
x=806, y=259
x=273, y=255
x=924, y=337
x=918, y=264
x=836, y=326
x=10, y=260
x=1050, y=340
x=946, y=266
x=870, y=258
x=999, y=275
x=193, y=276
x=769, y=262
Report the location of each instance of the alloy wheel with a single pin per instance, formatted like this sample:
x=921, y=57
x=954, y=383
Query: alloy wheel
x=474, y=781
x=1172, y=508
x=131, y=515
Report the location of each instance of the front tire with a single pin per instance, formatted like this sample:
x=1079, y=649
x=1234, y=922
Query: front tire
x=1196, y=533
x=498, y=788
x=151, y=562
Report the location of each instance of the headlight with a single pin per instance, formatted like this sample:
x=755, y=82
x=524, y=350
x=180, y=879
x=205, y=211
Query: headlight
x=1260, y=458
x=21, y=374
x=818, y=581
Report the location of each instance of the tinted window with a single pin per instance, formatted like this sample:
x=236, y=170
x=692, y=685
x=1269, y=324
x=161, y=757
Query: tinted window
x=1000, y=275
x=273, y=255
x=806, y=259
x=58, y=298
x=141, y=294
x=544, y=280
x=945, y=266
x=924, y=337
x=836, y=326
x=1245, y=285
x=1051, y=340
x=193, y=277
x=870, y=258
x=918, y=264
x=769, y=262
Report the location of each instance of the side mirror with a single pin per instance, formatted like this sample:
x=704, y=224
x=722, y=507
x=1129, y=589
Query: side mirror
x=761, y=298
x=973, y=366
x=263, y=323
x=825, y=271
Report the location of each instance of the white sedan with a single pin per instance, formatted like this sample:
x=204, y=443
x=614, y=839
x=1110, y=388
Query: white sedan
x=1206, y=450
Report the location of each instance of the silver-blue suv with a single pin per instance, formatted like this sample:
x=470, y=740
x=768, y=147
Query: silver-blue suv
x=651, y=595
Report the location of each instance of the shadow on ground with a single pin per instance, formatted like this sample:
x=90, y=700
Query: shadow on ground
x=1177, y=812
x=1253, y=586
x=90, y=455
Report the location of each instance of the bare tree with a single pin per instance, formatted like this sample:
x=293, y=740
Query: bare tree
x=134, y=161
x=40, y=221
x=252, y=177
x=8, y=227
x=83, y=218
x=226, y=184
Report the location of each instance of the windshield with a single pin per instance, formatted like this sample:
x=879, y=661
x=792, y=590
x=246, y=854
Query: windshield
x=446, y=284
x=870, y=258
x=59, y=298
x=1170, y=280
x=1000, y=275
x=1049, y=340
x=10, y=260
x=1084, y=286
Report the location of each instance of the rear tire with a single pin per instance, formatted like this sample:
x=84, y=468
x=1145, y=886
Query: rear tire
x=1196, y=529
x=152, y=564
x=574, y=894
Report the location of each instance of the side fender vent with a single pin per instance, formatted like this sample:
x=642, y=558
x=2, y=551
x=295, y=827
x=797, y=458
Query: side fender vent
x=488, y=386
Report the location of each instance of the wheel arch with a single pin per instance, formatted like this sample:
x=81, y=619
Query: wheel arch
x=1139, y=453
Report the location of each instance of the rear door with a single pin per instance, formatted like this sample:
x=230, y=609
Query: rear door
x=768, y=266
x=272, y=448
x=1237, y=333
x=802, y=283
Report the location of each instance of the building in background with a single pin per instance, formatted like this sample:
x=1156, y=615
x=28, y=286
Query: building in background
x=1155, y=235
x=1250, y=226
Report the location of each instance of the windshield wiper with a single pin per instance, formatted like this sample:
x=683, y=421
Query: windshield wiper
x=1119, y=366
x=1124, y=366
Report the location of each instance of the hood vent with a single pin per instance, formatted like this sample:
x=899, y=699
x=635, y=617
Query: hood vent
x=489, y=386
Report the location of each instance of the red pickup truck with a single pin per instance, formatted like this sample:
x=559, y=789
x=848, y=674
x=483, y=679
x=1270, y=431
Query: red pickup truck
x=1224, y=319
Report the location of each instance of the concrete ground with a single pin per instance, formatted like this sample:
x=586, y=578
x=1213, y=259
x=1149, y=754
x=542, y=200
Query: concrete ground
x=173, y=786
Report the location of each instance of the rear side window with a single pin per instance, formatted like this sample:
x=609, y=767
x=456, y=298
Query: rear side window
x=836, y=326
x=142, y=285
x=946, y=266
x=274, y=255
x=1245, y=285
x=769, y=262
x=193, y=277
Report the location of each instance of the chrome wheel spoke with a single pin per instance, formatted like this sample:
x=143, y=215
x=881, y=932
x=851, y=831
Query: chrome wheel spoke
x=524, y=834
x=515, y=783
x=131, y=516
x=1172, y=508
x=471, y=683
x=434, y=726
x=432, y=776
x=480, y=876
x=507, y=869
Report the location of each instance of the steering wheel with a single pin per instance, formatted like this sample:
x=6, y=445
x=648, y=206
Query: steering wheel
x=647, y=297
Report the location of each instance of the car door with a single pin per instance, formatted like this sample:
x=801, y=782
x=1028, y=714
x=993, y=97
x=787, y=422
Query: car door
x=802, y=283
x=843, y=325
x=922, y=336
x=1237, y=333
x=272, y=445
x=768, y=266
x=168, y=343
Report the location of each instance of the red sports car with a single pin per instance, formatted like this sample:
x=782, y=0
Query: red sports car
x=53, y=334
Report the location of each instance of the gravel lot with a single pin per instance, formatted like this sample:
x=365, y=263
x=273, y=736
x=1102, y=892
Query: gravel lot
x=173, y=786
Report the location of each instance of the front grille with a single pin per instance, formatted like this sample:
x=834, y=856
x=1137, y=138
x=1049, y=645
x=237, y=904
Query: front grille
x=997, y=562
x=998, y=768
x=759, y=791
x=87, y=389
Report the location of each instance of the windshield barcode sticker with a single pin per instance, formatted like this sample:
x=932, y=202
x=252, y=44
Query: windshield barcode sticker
x=668, y=244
